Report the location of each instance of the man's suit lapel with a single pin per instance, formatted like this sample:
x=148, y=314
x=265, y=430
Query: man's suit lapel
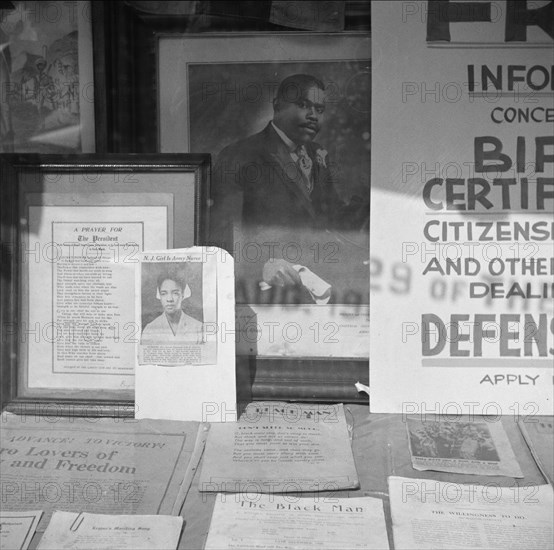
x=280, y=155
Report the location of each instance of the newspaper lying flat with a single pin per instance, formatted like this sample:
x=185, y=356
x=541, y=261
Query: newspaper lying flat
x=97, y=465
x=429, y=514
x=82, y=531
x=280, y=447
x=268, y=522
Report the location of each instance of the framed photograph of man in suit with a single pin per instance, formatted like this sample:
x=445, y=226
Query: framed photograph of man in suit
x=286, y=118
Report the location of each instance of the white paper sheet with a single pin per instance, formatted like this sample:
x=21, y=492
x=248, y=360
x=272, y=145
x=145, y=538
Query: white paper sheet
x=462, y=206
x=428, y=514
x=84, y=258
x=197, y=392
x=83, y=531
x=280, y=447
x=270, y=522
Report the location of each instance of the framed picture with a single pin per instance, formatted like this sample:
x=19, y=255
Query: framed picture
x=71, y=230
x=286, y=117
x=129, y=56
x=47, y=102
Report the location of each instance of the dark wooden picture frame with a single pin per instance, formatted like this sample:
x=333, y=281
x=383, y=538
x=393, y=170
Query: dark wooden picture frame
x=125, y=48
x=161, y=198
x=127, y=53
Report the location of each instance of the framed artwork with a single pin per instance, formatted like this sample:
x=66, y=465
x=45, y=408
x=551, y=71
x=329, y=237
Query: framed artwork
x=71, y=232
x=128, y=61
x=300, y=238
x=47, y=78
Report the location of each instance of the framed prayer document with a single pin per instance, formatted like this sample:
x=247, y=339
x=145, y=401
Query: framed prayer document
x=72, y=230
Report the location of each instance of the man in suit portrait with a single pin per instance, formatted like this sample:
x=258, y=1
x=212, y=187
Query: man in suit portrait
x=173, y=324
x=275, y=199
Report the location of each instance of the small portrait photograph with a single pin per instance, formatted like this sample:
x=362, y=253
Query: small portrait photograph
x=291, y=168
x=172, y=302
x=455, y=440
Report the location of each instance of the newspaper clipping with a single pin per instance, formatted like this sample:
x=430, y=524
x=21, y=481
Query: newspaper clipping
x=178, y=308
x=480, y=448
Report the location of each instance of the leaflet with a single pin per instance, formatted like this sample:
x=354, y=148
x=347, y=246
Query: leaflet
x=82, y=531
x=280, y=447
x=428, y=514
x=271, y=522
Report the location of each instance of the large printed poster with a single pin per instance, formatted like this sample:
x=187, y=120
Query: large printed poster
x=463, y=199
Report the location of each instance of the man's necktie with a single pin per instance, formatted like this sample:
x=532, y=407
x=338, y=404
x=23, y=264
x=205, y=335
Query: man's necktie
x=305, y=164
